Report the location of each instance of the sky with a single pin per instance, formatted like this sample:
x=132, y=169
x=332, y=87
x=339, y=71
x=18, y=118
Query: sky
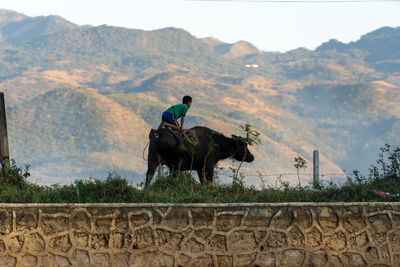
x=270, y=26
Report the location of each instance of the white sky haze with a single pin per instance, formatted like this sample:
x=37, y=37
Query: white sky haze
x=270, y=26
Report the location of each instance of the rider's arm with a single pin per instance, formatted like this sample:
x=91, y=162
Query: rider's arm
x=182, y=120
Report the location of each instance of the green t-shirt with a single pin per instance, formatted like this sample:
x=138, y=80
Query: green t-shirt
x=178, y=110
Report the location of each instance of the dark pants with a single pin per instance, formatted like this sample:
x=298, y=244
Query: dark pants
x=169, y=118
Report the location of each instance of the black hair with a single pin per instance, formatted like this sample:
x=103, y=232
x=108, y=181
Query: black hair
x=186, y=99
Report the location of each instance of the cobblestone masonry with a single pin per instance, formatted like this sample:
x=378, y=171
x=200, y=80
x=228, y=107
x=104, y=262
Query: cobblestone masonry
x=291, y=234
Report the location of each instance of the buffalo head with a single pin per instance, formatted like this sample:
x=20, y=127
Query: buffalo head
x=241, y=151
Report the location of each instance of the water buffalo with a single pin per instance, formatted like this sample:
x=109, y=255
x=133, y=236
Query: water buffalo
x=202, y=155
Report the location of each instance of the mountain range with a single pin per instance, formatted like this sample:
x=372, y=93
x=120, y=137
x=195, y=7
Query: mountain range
x=82, y=99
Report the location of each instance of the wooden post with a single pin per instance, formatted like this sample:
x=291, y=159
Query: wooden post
x=316, y=168
x=4, y=152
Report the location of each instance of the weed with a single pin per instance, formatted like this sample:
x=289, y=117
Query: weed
x=299, y=163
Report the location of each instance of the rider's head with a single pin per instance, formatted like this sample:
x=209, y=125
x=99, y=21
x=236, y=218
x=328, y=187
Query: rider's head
x=187, y=100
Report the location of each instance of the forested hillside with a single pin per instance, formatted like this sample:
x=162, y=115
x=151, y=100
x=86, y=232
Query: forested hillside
x=81, y=99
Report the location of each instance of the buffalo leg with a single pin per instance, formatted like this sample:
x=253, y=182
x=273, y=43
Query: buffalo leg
x=209, y=175
x=200, y=173
x=206, y=174
x=152, y=164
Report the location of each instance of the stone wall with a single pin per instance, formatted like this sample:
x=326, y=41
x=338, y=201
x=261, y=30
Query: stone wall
x=288, y=234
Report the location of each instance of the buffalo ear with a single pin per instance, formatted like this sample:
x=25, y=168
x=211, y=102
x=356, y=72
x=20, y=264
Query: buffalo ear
x=238, y=139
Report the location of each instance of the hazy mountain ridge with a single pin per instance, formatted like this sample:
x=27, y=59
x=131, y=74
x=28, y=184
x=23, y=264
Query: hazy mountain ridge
x=116, y=39
x=9, y=16
x=337, y=98
x=380, y=47
x=238, y=49
x=16, y=28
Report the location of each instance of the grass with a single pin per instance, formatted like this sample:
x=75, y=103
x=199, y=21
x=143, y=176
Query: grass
x=183, y=188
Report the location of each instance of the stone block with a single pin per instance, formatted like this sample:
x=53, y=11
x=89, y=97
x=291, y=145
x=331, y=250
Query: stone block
x=336, y=241
x=385, y=252
x=258, y=217
x=290, y=257
x=81, y=222
x=7, y=261
x=138, y=220
x=60, y=243
x=395, y=220
x=241, y=240
x=355, y=259
x=396, y=259
x=224, y=260
x=155, y=258
x=202, y=217
x=282, y=219
x=177, y=218
x=359, y=241
x=81, y=240
x=318, y=258
x=217, y=243
x=103, y=225
x=244, y=259
x=57, y=260
x=380, y=223
x=354, y=223
x=276, y=240
x=203, y=233
x=15, y=243
x=117, y=240
x=120, y=260
x=202, y=261
x=26, y=219
x=2, y=246
x=304, y=218
x=100, y=259
x=121, y=222
x=99, y=241
x=35, y=243
x=334, y=261
x=313, y=238
x=371, y=254
x=394, y=239
x=193, y=246
x=265, y=260
x=328, y=219
x=226, y=222
x=51, y=225
x=28, y=260
x=182, y=260
x=143, y=238
x=296, y=237
x=5, y=221
x=80, y=257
